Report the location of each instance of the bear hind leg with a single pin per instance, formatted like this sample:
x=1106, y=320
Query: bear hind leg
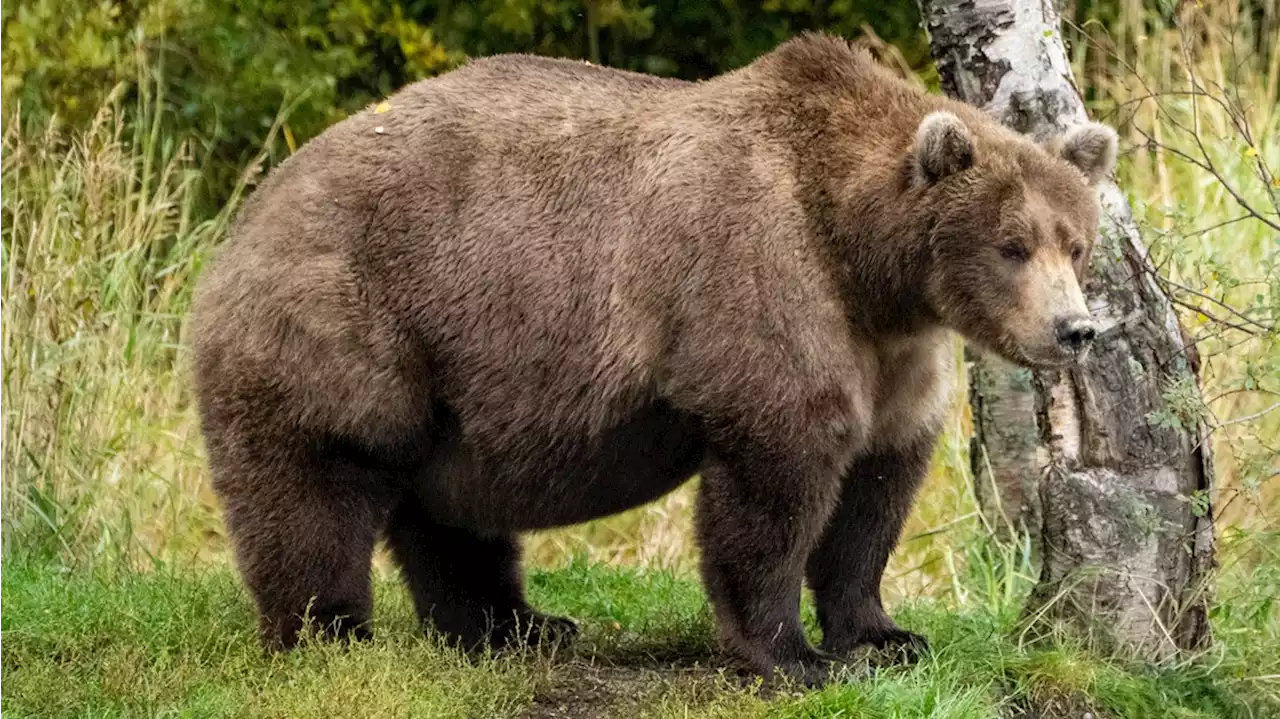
x=304, y=533
x=468, y=586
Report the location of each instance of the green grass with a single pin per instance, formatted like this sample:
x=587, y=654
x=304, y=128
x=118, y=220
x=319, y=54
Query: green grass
x=107, y=642
x=182, y=644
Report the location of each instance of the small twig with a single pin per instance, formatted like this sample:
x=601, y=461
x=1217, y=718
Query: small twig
x=1219, y=303
x=1210, y=316
x=1241, y=390
x=1249, y=417
x=1216, y=226
x=1155, y=615
x=1208, y=166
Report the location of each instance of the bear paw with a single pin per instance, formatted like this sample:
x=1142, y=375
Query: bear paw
x=534, y=628
x=815, y=669
x=891, y=644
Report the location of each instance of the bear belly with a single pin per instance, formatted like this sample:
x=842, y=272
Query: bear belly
x=539, y=482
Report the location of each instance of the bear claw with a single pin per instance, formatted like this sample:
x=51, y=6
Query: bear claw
x=894, y=644
x=537, y=628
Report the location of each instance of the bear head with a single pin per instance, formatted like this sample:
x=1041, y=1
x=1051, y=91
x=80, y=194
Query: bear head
x=1011, y=227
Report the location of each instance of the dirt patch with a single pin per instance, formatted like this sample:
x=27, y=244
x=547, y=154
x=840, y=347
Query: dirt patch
x=595, y=692
x=1067, y=707
x=625, y=684
x=596, y=681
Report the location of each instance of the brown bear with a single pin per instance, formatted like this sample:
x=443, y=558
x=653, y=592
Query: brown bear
x=531, y=292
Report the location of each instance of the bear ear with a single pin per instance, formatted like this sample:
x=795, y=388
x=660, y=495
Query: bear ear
x=1090, y=147
x=943, y=146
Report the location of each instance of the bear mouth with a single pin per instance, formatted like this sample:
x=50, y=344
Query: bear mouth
x=1049, y=358
x=1035, y=355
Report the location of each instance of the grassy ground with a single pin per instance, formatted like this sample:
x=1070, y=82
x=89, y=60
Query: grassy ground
x=180, y=642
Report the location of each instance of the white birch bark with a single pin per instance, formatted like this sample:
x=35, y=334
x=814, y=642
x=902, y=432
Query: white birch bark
x=1074, y=456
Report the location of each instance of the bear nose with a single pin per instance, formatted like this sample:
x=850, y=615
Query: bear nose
x=1075, y=333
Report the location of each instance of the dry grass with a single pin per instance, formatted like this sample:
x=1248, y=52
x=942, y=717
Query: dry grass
x=102, y=242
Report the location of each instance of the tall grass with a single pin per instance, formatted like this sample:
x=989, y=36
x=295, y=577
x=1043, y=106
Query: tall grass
x=103, y=236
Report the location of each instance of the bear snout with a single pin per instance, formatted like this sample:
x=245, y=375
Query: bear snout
x=1076, y=333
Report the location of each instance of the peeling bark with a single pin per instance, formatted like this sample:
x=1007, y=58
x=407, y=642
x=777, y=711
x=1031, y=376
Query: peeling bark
x=1004, y=452
x=1074, y=457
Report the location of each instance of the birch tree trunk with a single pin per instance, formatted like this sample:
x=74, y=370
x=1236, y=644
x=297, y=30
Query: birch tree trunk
x=1082, y=459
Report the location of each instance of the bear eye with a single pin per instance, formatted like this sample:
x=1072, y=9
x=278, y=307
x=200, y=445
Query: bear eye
x=1076, y=253
x=1014, y=251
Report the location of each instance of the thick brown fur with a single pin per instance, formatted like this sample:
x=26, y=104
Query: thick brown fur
x=534, y=292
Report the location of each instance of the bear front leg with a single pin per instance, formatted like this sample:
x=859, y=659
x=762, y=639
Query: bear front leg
x=759, y=515
x=846, y=569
